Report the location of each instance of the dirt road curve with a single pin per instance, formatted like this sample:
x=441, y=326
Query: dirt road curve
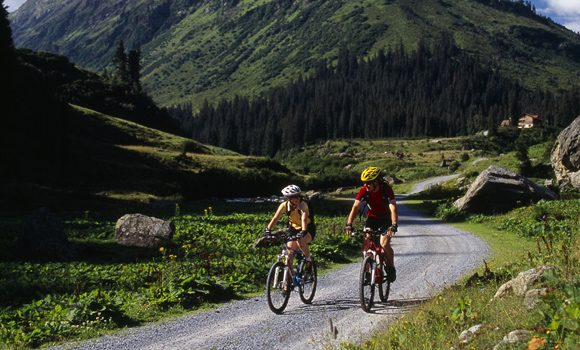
x=428, y=256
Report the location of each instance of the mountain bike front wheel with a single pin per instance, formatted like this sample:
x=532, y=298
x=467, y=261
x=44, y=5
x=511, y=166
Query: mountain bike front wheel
x=384, y=285
x=278, y=288
x=307, y=287
x=366, y=287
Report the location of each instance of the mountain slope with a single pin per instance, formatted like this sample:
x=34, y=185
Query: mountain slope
x=57, y=154
x=193, y=50
x=113, y=163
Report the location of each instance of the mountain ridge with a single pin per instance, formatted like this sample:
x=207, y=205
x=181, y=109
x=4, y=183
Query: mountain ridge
x=196, y=50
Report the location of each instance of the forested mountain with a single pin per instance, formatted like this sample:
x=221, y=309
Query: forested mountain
x=60, y=149
x=439, y=92
x=194, y=50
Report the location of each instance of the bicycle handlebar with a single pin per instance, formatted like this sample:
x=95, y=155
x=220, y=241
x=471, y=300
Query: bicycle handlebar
x=369, y=231
x=282, y=236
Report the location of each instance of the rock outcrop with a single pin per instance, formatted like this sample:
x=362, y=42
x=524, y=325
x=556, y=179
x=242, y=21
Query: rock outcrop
x=565, y=156
x=143, y=231
x=498, y=189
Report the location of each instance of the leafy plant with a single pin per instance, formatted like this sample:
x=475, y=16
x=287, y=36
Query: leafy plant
x=563, y=315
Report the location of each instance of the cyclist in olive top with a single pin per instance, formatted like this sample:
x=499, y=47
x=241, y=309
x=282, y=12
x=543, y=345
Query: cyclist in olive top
x=382, y=213
x=300, y=225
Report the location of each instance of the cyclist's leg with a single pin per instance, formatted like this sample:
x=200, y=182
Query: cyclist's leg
x=303, y=244
x=389, y=253
x=389, y=256
x=293, y=245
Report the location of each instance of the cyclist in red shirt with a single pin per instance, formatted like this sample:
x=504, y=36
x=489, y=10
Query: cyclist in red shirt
x=382, y=213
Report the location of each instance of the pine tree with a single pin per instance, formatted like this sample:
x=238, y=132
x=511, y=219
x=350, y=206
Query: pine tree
x=120, y=63
x=6, y=43
x=7, y=62
x=134, y=66
x=514, y=108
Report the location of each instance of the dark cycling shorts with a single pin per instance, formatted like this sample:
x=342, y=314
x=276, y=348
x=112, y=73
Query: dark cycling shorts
x=311, y=229
x=379, y=225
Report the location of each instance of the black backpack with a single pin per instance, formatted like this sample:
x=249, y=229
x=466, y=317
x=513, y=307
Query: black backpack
x=367, y=197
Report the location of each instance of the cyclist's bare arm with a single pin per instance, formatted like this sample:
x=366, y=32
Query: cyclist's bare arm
x=304, y=219
x=276, y=217
x=394, y=211
x=394, y=215
x=353, y=212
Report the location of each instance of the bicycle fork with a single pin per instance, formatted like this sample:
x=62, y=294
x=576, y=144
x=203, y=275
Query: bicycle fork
x=375, y=269
x=285, y=283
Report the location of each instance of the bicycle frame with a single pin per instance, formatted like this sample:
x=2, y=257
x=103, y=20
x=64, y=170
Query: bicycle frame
x=376, y=253
x=279, y=287
x=289, y=269
x=373, y=263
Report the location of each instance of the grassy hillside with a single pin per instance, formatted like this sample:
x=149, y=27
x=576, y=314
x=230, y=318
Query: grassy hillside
x=338, y=163
x=110, y=163
x=193, y=50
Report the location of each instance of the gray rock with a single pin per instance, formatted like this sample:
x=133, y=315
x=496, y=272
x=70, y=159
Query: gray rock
x=520, y=285
x=399, y=154
x=391, y=179
x=514, y=337
x=467, y=335
x=498, y=189
x=143, y=231
x=43, y=239
x=565, y=156
x=533, y=296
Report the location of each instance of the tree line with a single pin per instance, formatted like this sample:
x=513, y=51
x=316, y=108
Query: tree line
x=437, y=91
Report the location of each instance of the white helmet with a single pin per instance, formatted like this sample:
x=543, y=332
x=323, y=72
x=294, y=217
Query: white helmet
x=291, y=190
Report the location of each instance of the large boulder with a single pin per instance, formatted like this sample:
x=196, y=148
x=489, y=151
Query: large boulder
x=565, y=157
x=42, y=239
x=143, y=231
x=498, y=189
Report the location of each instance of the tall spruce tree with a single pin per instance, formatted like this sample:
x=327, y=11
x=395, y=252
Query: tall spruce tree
x=514, y=108
x=6, y=47
x=120, y=63
x=134, y=67
x=6, y=68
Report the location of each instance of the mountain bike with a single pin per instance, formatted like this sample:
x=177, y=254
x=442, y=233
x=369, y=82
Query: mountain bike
x=373, y=273
x=283, y=278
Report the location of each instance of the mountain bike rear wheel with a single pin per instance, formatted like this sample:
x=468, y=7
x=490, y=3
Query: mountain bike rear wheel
x=366, y=287
x=307, y=287
x=385, y=285
x=277, y=289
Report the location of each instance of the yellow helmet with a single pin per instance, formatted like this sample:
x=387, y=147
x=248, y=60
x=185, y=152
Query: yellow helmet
x=370, y=174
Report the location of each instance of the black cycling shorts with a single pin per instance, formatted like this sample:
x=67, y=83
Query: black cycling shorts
x=311, y=229
x=379, y=225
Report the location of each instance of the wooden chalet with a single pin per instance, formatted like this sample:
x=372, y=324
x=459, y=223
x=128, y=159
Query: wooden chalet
x=526, y=121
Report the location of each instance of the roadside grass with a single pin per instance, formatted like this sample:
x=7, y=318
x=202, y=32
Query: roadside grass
x=545, y=233
x=112, y=287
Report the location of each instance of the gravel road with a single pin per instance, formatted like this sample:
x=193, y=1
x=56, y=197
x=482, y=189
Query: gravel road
x=428, y=255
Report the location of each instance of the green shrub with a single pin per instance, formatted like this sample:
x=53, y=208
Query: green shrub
x=447, y=212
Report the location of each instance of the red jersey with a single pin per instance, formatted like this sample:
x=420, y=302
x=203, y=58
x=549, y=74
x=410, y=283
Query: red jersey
x=377, y=208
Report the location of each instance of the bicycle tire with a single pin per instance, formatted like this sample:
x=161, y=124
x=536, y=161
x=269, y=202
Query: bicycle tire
x=307, y=288
x=385, y=285
x=366, y=287
x=275, y=284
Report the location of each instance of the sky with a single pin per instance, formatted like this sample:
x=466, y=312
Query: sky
x=564, y=12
